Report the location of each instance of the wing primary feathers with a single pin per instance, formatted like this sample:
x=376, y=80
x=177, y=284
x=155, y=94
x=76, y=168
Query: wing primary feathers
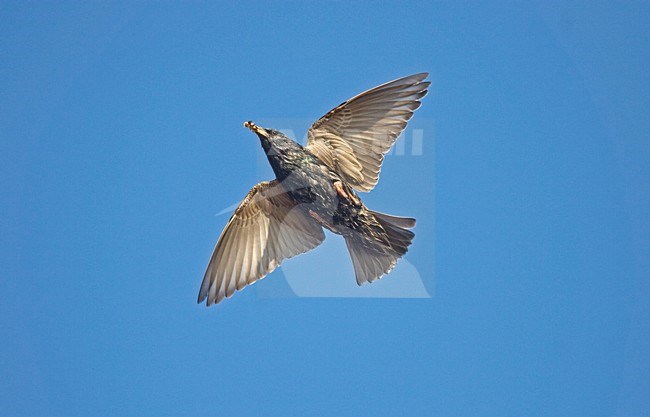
x=266, y=228
x=369, y=124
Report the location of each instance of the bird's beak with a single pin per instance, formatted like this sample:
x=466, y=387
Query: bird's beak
x=260, y=131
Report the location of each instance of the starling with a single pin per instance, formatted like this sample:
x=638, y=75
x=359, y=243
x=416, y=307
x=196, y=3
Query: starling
x=316, y=187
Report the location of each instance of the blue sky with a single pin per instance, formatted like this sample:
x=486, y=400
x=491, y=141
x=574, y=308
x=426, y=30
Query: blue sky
x=121, y=136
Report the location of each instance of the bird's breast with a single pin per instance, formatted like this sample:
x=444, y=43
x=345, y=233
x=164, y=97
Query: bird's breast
x=311, y=184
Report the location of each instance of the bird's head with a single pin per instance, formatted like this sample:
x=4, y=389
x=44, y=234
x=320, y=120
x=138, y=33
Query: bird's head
x=273, y=141
x=270, y=138
x=262, y=132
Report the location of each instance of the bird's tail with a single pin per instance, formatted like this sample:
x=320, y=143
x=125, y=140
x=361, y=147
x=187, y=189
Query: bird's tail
x=373, y=257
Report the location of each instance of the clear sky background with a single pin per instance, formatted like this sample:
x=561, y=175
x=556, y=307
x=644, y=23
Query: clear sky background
x=121, y=136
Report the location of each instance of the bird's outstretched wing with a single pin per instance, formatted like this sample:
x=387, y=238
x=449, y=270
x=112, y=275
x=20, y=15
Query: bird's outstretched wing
x=353, y=137
x=266, y=228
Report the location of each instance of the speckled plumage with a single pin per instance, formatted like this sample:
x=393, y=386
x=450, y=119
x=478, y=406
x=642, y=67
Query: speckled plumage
x=310, y=182
x=315, y=188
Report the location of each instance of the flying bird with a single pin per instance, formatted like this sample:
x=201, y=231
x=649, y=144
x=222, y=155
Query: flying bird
x=316, y=187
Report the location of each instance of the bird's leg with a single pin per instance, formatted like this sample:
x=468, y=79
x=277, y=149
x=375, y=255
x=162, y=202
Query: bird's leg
x=340, y=190
x=355, y=200
x=316, y=217
x=338, y=186
x=320, y=220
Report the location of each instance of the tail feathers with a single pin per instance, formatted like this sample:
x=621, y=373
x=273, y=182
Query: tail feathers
x=370, y=262
x=371, y=258
x=397, y=229
x=404, y=222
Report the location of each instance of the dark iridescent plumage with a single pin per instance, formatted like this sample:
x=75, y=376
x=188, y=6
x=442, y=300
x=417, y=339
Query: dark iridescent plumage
x=314, y=188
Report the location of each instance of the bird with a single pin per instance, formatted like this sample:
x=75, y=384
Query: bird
x=316, y=187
